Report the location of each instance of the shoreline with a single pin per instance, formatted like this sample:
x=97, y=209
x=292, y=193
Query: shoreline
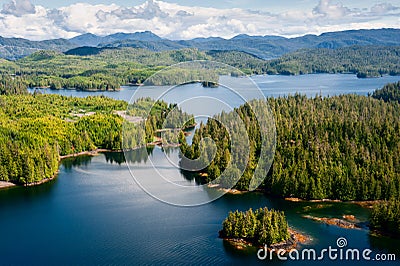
x=6, y=184
x=90, y=153
x=348, y=221
x=363, y=203
x=296, y=238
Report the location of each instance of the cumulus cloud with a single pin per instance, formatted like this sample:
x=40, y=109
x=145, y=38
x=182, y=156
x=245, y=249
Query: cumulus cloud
x=19, y=18
x=383, y=8
x=18, y=8
x=330, y=9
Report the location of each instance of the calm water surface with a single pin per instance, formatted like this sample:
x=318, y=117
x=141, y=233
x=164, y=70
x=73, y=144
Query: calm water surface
x=271, y=86
x=95, y=213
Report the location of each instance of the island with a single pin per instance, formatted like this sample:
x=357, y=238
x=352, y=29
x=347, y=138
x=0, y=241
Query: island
x=261, y=227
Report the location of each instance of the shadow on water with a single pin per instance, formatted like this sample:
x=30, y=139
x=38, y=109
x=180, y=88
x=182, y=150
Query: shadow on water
x=72, y=162
x=140, y=155
x=27, y=194
x=385, y=244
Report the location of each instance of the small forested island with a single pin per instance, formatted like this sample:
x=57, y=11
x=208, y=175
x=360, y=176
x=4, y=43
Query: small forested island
x=261, y=227
x=385, y=217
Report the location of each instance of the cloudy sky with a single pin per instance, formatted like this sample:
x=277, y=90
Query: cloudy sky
x=186, y=19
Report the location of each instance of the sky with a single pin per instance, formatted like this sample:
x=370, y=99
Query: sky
x=187, y=19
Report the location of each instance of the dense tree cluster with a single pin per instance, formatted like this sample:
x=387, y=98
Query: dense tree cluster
x=365, y=61
x=158, y=116
x=386, y=217
x=263, y=226
x=390, y=92
x=235, y=153
x=10, y=85
x=36, y=129
x=343, y=147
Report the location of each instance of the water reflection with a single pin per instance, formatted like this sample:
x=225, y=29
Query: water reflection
x=72, y=162
x=385, y=244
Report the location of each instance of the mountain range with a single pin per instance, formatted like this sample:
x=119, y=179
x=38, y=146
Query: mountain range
x=265, y=47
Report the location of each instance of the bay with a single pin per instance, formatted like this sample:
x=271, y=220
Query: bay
x=96, y=213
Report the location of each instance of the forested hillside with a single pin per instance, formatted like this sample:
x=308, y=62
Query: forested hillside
x=266, y=47
x=88, y=68
x=107, y=70
x=386, y=217
x=365, y=61
x=343, y=147
x=390, y=92
x=36, y=129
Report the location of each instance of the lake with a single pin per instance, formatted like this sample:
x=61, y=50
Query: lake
x=96, y=213
x=270, y=85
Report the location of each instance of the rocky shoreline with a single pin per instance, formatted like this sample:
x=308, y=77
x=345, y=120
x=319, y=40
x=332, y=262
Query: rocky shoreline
x=348, y=221
x=296, y=238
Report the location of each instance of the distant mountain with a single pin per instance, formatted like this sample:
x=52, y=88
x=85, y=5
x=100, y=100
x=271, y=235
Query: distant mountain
x=15, y=48
x=89, y=39
x=274, y=46
x=269, y=47
x=266, y=47
x=157, y=46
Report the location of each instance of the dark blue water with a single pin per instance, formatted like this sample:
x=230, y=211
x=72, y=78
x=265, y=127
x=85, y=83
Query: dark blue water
x=95, y=213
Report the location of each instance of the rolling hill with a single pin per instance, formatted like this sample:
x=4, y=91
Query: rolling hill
x=266, y=47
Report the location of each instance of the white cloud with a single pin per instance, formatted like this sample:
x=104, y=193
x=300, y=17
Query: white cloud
x=330, y=9
x=383, y=8
x=19, y=18
x=18, y=8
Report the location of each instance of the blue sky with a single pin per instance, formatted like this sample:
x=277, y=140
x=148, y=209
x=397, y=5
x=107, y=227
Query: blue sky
x=180, y=19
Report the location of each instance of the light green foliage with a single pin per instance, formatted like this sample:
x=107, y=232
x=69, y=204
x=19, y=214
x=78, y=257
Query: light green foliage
x=36, y=129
